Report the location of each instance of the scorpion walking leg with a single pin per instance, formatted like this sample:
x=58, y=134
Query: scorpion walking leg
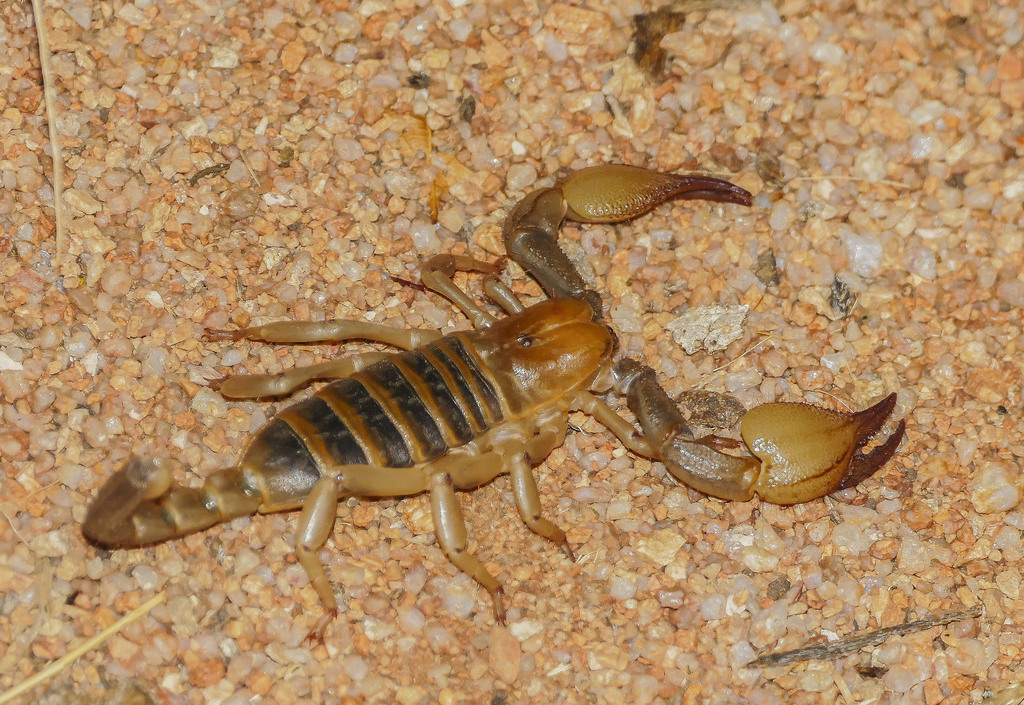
x=450, y=528
x=315, y=524
x=524, y=488
x=500, y=294
x=316, y=521
x=436, y=275
x=328, y=332
x=246, y=386
x=253, y=386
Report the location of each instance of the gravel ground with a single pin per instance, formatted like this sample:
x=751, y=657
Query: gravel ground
x=883, y=143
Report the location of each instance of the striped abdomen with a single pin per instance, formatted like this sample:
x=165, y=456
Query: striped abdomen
x=408, y=409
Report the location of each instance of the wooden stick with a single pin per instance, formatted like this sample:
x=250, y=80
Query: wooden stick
x=50, y=96
x=845, y=647
x=87, y=645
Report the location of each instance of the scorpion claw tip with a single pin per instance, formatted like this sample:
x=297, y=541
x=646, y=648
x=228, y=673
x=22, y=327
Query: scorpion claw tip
x=808, y=452
x=864, y=465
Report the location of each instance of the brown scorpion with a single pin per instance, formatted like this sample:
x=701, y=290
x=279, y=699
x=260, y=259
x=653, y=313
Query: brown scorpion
x=452, y=412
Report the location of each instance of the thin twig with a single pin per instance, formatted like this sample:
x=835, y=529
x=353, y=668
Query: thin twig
x=87, y=645
x=846, y=177
x=844, y=647
x=50, y=98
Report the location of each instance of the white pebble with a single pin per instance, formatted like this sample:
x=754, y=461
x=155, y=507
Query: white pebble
x=556, y=50
x=921, y=261
x=410, y=619
x=622, y=588
x=115, y=280
x=713, y=607
x=870, y=164
x=995, y=488
x=865, y=252
x=459, y=597
x=828, y=53
x=520, y=177
x=782, y=216
x=424, y=236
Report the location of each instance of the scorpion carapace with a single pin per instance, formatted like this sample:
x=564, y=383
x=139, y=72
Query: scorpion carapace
x=453, y=412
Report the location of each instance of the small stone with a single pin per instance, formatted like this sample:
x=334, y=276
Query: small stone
x=495, y=53
x=870, y=164
x=710, y=327
x=607, y=656
x=292, y=56
x=1012, y=93
x=52, y=544
x=410, y=694
x=223, y=58
x=82, y=201
x=504, y=654
x=661, y=546
x=576, y=25
x=1008, y=581
x=759, y=560
x=520, y=177
x=994, y=488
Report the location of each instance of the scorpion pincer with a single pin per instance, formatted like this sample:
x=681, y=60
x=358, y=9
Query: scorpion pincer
x=453, y=412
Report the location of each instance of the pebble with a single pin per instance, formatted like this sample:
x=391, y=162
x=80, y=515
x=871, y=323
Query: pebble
x=995, y=488
x=504, y=654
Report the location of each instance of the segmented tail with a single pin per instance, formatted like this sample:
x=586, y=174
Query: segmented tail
x=137, y=506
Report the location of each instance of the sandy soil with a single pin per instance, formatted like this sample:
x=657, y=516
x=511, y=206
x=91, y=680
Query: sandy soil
x=883, y=143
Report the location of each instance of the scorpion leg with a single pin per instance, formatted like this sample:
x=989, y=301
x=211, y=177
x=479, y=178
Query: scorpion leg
x=315, y=525
x=524, y=488
x=258, y=385
x=247, y=386
x=316, y=521
x=436, y=275
x=450, y=528
x=500, y=294
x=327, y=332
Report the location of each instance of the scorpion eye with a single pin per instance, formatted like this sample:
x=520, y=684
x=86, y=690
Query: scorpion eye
x=524, y=341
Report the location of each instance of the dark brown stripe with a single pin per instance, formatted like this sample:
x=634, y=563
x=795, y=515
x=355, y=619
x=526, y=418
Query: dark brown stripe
x=285, y=468
x=437, y=395
x=485, y=389
x=364, y=415
x=456, y=382
x=316, y=423
x=386, y=382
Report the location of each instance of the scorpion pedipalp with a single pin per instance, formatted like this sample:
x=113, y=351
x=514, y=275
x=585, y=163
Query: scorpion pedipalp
x=802, y=452
x=610, y=193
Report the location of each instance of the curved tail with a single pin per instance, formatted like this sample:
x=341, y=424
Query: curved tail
x=137, y=505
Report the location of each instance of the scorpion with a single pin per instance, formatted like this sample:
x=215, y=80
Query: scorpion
x=451, y=412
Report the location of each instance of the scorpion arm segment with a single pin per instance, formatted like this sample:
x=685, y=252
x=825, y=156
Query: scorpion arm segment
x=802, y=452
x=695, y=463
x=602, y=194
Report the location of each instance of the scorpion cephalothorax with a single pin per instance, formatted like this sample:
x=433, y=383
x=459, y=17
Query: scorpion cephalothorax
x=453, y=412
